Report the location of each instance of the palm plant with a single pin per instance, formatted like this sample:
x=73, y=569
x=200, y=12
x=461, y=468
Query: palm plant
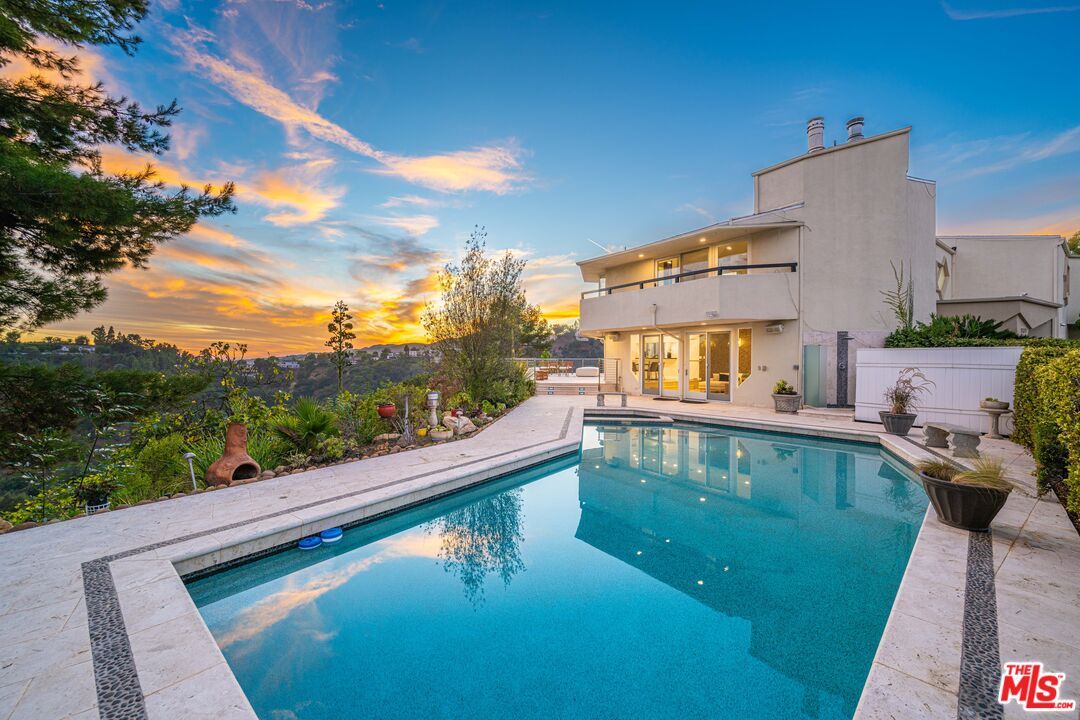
x=307, y=425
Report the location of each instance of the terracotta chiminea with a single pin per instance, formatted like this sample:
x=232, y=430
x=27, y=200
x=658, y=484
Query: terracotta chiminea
x=235, y=463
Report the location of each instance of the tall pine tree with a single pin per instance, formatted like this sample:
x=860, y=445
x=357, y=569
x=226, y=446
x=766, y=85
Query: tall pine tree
x=64, y=222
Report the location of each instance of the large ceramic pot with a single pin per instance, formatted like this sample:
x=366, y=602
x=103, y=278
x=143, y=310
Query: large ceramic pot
x=386, y=410
x=964, y=506
x=787, y=403
x=897, y=423
x=441, y=435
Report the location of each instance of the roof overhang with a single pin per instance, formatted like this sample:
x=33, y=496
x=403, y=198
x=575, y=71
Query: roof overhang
x=1006, y=299
x=592, y=268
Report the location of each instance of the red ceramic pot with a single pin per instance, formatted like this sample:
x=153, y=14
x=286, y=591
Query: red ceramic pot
x=387, y=410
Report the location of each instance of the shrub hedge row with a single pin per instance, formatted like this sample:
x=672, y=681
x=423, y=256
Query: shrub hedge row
x=905, y=339
x=1047, y=415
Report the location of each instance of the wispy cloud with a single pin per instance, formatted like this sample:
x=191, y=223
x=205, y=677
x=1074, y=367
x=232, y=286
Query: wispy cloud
x=992, y=14
x=412, y=224
x=496, y=168
x=964, y=159
x=403, y=200
x=411, y=44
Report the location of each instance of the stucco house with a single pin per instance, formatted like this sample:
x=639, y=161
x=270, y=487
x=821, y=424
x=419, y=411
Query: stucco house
x=792, y=290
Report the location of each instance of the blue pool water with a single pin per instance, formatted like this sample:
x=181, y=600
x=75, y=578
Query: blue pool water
x=667, y=572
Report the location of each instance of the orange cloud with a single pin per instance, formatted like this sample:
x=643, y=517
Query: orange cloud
x=293, y=192
x=496, y=168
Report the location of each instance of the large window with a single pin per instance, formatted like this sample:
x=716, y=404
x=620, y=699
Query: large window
x=666, y=268
x=635, y=359
x=696, y=260
x=733, y=254
x=746, y=342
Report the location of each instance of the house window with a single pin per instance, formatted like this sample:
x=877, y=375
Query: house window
x=696, y=260
x=665, y=268
x=733, y=254
x=635, y=358
x=746, y=341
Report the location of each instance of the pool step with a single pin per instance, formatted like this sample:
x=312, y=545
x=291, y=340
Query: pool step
x=614, y=419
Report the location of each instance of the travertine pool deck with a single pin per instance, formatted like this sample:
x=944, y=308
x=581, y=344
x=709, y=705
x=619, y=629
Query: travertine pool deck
x=135, y=558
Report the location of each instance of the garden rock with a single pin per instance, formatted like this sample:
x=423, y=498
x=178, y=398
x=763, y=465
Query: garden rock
x=5, y=525
x=267, y=474
x=386, y=437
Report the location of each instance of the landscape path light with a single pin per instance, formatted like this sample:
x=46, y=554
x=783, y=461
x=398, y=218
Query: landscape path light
x=189, y=456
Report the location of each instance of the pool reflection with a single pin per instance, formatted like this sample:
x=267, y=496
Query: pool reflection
x=734, y=522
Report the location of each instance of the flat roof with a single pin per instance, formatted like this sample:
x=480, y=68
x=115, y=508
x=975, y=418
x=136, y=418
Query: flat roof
x=1000, y=237
x=1009, y=298
x=835, y=148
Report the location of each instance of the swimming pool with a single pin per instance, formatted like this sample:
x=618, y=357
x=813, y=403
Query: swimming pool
x=666, y=572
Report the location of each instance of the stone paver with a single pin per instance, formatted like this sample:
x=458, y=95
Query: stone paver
x=43, y=616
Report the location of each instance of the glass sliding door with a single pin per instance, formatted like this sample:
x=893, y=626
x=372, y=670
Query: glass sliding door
x=719, y=366
x=650, y=365
x=697, y=370
x=669, y=369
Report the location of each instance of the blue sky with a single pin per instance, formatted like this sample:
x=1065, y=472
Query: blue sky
x=367, y=139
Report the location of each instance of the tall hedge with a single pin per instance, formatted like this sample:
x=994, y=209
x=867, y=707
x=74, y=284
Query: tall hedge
x=1026, y=393
x=1054, y=420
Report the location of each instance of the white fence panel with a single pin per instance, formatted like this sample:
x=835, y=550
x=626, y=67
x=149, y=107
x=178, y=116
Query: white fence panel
x=962, y=377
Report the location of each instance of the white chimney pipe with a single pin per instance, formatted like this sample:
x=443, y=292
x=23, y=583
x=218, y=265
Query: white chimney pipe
x=854, y=128
x=815, y=134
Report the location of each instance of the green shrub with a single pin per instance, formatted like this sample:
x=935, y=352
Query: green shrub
x=1047, y=418
x=308, y=424
x=944, y=330
x=1059, y=408
x=161, y=465
x=1026, y=392
x=358, y=419
x=332, y=448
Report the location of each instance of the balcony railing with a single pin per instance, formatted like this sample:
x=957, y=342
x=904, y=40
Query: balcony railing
x=690, y=274
x=578, y=372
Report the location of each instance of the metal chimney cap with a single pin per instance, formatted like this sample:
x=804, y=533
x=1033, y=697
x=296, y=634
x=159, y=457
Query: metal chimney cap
x=854, y=127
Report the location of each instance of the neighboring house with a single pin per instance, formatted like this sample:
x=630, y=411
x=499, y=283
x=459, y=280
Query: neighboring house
x=791, y=291
x=1020, y=280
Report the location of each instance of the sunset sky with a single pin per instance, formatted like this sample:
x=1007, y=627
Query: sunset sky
x=368, y=138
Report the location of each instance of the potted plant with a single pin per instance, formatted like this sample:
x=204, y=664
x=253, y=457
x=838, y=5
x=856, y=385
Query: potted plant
x=440, y=433
x=966, y=499
x=386, y=409
x=785, y=398
x=94, y=491
x=992, y=403
x=901, y=397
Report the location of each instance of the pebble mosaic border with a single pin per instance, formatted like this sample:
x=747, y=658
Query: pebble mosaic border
x=120, y=695
x=980, y=656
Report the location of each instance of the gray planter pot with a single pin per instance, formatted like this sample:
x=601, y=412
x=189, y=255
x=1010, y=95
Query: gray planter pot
x=897, y=423
x=787, y=403
x=963, y=506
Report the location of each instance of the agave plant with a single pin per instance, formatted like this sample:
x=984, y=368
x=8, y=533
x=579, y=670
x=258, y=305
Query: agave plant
x=307, y=425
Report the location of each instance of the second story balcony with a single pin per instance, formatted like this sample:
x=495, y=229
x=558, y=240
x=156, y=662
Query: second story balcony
x=726, y=294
